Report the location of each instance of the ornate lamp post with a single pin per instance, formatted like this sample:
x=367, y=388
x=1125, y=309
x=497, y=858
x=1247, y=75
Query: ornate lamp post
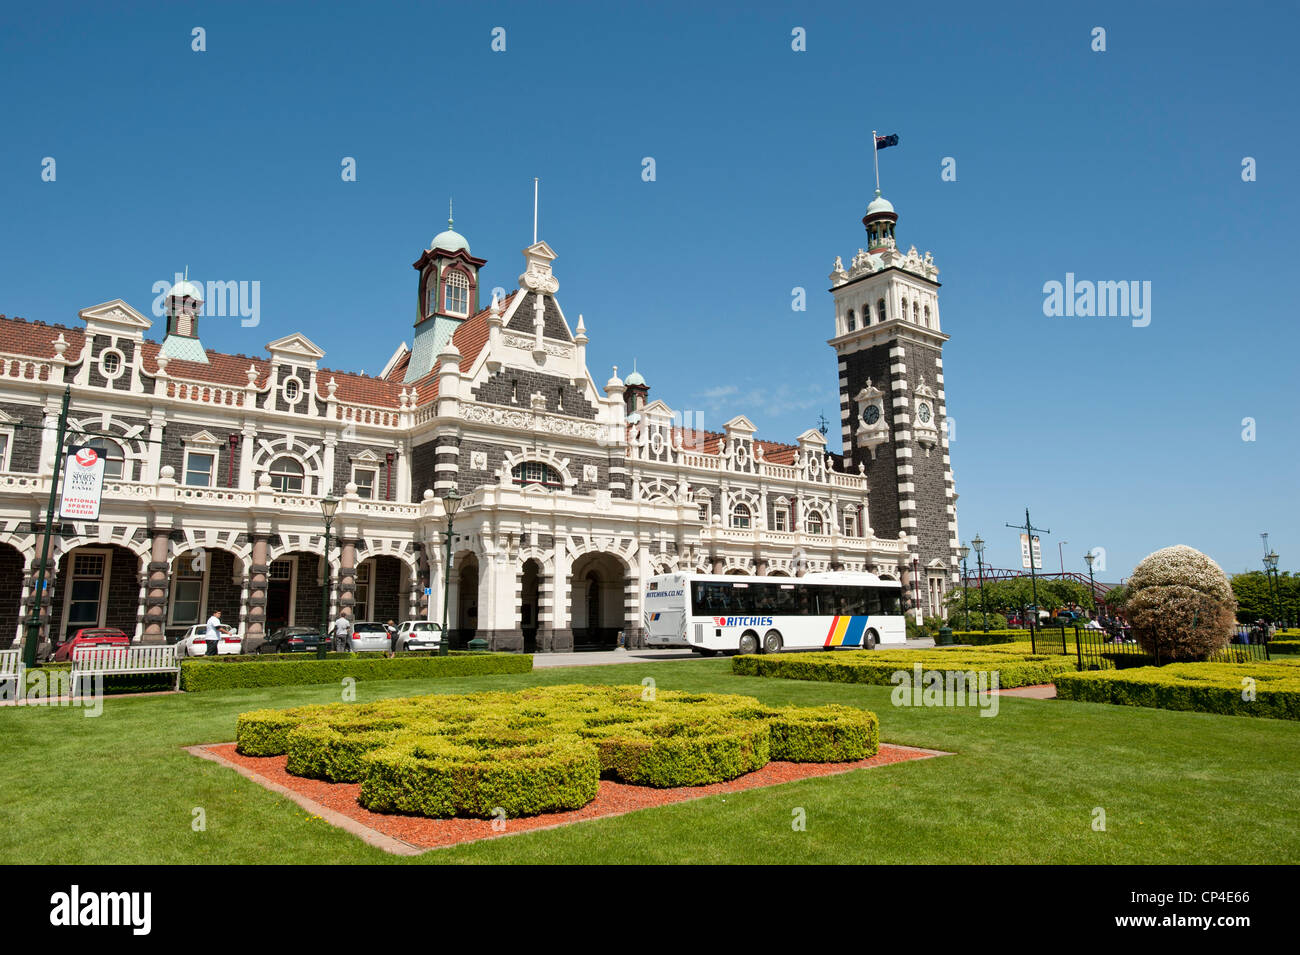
x=328, y=506
x=450, y=504
x=1270, y=568
x=963, y=552
x=1092, y=584
x=978, y=544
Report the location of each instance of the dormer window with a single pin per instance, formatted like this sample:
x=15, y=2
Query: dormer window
x=457, y=297
x=535, y=472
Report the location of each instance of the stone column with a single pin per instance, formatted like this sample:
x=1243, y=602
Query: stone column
x=347, y=586
x=423, y=578
x=157, y=587
x=259, y=570
x=560, y=636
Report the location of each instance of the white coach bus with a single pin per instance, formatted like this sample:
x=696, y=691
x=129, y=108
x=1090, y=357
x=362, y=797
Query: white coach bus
x=712, y=614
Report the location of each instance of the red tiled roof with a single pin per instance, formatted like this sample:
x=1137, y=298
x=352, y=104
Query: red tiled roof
x=21, y=337
x=398, y=371
x=469, y=338
x=707, y=442
x=221, y=369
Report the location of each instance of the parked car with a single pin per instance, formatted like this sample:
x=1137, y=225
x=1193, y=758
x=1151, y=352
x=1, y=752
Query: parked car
x=89, y=638
x=194, y=642
x=369, y=635
x=419, y=635
x=293, y=640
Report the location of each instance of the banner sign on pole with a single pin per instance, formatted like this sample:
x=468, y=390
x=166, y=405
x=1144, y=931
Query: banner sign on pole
x=83, y=485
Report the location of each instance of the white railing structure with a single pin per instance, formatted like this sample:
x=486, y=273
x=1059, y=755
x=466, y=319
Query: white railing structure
x=8, y=663
x=24, y=367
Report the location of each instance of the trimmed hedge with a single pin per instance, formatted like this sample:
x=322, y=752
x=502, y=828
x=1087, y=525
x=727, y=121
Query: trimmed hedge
x=1199, y=687
x=879, y=666
x=1285, y=646
x=544, y=749
x=198, y=675
x=980, y=638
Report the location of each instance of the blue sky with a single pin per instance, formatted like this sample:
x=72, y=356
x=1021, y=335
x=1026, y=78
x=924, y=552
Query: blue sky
x=1115, y=165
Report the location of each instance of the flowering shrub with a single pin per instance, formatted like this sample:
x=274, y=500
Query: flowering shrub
x=1181, y=605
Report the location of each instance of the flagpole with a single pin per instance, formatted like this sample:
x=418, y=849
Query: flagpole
x=875, y=156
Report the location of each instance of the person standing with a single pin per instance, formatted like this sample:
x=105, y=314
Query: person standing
x=391, y=627
x=342, y=630
x=213, y=635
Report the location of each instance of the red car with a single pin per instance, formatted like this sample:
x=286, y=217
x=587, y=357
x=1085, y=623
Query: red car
x=90, y=638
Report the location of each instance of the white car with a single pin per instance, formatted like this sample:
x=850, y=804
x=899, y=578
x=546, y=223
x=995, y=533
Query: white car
x=419, y=635
x=369, y=635
x=195, y=641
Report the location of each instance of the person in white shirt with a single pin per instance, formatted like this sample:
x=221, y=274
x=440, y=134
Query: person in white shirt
x=213, y=636
x=342, y=630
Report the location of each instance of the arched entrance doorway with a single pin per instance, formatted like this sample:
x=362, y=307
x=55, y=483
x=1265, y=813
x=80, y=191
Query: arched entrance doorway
x=378, y=592
x=11, y=593
x=597, y=611
x=98, y=586
x=203, y=581
x=466, y=619
x=529, y=597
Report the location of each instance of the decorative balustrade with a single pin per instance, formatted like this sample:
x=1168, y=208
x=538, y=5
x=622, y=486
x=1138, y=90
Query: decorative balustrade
x=368, y=415
x=206, y=394
x=24, y=367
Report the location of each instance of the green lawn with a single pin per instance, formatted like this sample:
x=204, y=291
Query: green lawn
x=1176, y=787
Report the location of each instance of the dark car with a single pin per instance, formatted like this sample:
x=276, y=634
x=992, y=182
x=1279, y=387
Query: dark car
x=293, y=640
x=90, y=638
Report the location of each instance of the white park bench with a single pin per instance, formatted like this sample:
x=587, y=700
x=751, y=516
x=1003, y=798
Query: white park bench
x=117, y=661
x=9, y=660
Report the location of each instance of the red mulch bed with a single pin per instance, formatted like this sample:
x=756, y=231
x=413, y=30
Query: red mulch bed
x=613, y=798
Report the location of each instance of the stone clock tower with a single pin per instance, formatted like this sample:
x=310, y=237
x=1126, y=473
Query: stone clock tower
x=892, y=410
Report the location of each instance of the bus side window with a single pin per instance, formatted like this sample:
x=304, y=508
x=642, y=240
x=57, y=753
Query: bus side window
x=873, y=595
x=853, y=601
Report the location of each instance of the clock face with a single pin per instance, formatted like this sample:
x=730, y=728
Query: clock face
x=871, y=415
x=924, y=413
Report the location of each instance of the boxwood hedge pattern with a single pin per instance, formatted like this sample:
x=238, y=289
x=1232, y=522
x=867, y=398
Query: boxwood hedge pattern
x=544, y=749
x=1235, y=689
x=200, y=674
x=879, y=666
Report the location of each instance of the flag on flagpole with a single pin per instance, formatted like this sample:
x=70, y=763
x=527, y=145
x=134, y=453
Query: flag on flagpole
x=883, y=142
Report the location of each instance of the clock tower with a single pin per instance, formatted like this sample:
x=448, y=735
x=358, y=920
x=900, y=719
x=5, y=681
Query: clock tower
x=889, y=345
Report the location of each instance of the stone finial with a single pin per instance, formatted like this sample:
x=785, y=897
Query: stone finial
x=331, y=387
x=60, y=345
x=251, y=373
x=350, y=489
x=264, y=480
x=427, y=495
x=168, y=473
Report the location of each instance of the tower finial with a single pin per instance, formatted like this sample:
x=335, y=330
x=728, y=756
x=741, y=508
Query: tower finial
x=450, y=220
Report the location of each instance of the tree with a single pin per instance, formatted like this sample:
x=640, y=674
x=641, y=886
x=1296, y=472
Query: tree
x=1255, y=599
x=1180, y=604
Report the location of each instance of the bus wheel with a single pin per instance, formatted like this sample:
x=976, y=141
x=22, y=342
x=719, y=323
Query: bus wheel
x=870, y=640
x=772, y=642
x=749, y=642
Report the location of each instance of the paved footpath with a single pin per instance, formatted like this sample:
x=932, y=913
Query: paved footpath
x=604, y=657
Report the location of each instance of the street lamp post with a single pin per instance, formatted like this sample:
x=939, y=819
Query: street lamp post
x=963, y=552
x=328, y=506
x=1060, y=553
x=978, y=544
x=1270, y=568
x=450, y=504
x=1092, y=585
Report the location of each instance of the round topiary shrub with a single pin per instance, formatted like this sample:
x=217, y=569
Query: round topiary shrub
x=1180, y=604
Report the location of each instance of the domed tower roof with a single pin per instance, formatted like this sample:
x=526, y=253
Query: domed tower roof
x=450, y=240
x=879, y=223
x=186, y=289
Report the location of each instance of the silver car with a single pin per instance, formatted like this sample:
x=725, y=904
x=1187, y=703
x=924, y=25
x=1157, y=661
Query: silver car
x=419, y=635
x=369, y=635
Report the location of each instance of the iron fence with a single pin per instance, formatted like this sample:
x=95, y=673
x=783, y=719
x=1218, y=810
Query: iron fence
x=1103, y=650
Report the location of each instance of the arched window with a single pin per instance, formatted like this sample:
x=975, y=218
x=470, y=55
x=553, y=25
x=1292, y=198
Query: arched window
x=881, y=314
x=287, y=475
x=813, y=524
x=431, y=293
x=535, y=472
x=850, y=524
x=850, y=321
x=741, y=516
x=866, y=314
x=927, y=317
x=457, y=299
x=111, y=452
x=916, y=313
x=904, y=309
